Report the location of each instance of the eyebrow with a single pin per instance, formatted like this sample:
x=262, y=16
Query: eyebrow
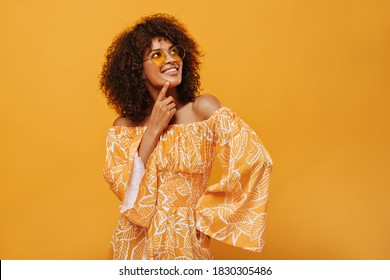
x=160, y=49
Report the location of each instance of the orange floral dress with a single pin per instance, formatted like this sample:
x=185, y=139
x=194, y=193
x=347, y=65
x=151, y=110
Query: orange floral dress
x=175, y=211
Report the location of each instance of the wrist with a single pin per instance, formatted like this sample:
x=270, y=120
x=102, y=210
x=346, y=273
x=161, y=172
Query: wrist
x=152, y=132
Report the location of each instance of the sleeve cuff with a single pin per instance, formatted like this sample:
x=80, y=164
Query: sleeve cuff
x=132, y=189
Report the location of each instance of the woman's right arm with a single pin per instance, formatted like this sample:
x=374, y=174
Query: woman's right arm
x=163, y=111
x=126, y=175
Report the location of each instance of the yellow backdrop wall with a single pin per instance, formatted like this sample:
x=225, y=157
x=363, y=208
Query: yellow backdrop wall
x=311, y=77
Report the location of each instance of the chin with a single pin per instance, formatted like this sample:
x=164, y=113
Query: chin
x=174, y=82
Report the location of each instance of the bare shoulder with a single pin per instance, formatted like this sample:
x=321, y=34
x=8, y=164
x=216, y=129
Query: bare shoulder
x=122, y=121
x=205, y=105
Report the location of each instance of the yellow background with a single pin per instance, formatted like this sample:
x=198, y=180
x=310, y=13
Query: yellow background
x=311, y=77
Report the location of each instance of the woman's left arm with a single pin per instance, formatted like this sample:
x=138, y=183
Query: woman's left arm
x=235, y=209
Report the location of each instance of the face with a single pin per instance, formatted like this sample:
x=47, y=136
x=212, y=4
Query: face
x=170, y=70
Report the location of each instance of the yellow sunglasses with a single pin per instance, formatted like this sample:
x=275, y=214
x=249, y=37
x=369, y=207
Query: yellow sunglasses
x=159, y=56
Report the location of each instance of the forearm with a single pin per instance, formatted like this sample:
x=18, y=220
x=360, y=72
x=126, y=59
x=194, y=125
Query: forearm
x=148, y=144
x=163, y=110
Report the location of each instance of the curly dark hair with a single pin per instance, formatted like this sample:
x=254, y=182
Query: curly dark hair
x=122, y=80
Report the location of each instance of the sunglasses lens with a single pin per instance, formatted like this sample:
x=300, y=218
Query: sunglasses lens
x=177, y=52
x=158, y=57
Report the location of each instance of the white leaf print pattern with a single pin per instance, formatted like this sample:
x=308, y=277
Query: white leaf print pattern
x=174, y=201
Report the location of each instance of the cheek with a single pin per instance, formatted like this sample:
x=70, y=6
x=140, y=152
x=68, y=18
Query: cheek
x=153, y=77
x=148, y=73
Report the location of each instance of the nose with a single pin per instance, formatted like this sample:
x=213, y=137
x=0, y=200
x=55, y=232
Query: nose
x=169, y=58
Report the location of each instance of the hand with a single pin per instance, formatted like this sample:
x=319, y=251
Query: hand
x=163, y=110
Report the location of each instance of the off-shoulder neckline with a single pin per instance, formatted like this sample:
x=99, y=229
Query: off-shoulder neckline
x=175, y=124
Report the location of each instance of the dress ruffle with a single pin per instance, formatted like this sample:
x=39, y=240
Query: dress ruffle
x=175, y=210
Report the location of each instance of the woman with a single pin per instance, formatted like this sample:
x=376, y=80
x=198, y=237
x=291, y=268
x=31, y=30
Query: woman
x=161, y=149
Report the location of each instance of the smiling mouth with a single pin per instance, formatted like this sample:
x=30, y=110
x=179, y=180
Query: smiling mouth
x=171, y=71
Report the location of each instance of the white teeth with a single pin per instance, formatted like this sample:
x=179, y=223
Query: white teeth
x=170, y=70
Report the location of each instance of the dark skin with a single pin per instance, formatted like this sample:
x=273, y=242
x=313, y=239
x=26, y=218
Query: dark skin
x=167, y=109
x=123, y=75
x=163, y=111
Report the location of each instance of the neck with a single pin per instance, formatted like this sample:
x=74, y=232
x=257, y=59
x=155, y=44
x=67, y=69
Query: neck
x=173, y=92
x=154, y=92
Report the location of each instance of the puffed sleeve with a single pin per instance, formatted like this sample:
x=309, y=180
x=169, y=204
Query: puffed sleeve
x=234, y=210
x=121, y=151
